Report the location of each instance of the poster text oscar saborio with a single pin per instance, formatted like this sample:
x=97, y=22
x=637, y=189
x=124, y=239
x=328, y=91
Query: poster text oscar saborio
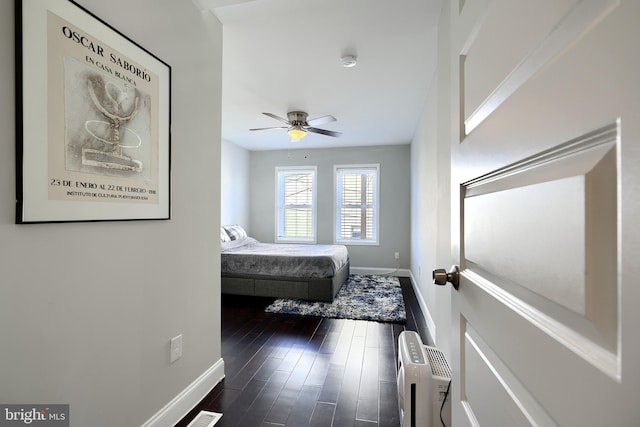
x=131, y=69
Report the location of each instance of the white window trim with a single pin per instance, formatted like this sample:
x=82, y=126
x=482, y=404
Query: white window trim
x=314, y=170
x=376, y=205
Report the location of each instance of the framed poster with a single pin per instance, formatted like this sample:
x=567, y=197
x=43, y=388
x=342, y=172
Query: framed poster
x=92, y=119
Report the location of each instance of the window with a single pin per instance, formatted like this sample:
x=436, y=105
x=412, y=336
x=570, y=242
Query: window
x=296, y=200
x=357, y=204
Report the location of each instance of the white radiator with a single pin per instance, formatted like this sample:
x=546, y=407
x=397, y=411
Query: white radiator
x=423, y=382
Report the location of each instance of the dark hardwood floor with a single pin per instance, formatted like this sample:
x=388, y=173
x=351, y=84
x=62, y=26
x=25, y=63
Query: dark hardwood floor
x=297, y=371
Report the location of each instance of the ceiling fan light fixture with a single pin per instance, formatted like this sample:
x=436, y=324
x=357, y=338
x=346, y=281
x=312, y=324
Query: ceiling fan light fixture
x=296, y=133
x=298, y=126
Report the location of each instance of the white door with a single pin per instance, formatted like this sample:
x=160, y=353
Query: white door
x=546, y=228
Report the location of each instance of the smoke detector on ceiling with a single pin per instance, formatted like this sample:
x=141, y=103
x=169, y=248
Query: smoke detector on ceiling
x=348, y=61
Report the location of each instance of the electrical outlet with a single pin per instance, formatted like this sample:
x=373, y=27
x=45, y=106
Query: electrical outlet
x=175, y=351
x=397, y=255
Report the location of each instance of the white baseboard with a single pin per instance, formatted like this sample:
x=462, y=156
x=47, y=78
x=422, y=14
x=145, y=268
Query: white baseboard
x=431, y=325
x=391, y=271
x=188, y=398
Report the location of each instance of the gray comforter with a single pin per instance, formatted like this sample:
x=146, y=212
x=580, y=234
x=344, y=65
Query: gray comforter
x=248, y=256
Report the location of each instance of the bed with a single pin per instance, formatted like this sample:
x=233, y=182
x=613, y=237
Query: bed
x=250, y=267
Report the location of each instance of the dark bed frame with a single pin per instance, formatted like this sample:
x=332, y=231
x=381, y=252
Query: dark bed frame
x=321, y=289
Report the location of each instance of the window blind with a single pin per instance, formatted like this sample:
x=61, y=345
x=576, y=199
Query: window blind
x=356, y=204
x=296, y=200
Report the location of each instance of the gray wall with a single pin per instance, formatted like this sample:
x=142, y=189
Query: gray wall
x=87, y=309
x=394, y=197
x=235, y=185
x=430, y=197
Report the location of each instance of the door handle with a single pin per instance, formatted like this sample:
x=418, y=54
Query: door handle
x=441, y=277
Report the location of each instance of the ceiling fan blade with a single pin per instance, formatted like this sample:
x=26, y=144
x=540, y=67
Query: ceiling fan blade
x=276, y=127
x=323, y=131
x=273, y=116
x=321, y=120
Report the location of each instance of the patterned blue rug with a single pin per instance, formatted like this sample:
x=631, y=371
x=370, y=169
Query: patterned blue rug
x=362, y=297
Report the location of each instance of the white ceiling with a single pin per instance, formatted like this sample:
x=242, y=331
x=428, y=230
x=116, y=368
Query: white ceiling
x=284, y=55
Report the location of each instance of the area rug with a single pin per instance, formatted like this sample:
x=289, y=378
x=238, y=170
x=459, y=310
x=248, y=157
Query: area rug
x=362, y=297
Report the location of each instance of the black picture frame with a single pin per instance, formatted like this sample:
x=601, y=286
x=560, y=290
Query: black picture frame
x=93, y=119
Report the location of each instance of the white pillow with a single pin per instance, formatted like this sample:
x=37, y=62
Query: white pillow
x=235, y=232
x=224, y=237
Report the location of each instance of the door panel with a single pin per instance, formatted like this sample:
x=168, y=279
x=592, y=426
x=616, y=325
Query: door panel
x=526, y=24
x=569, y=197
x=508, y=42
x=545, y=205
x=496, y=239
x=486, y=377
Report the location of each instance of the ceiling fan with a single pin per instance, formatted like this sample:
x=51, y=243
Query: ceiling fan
x=298, y=126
